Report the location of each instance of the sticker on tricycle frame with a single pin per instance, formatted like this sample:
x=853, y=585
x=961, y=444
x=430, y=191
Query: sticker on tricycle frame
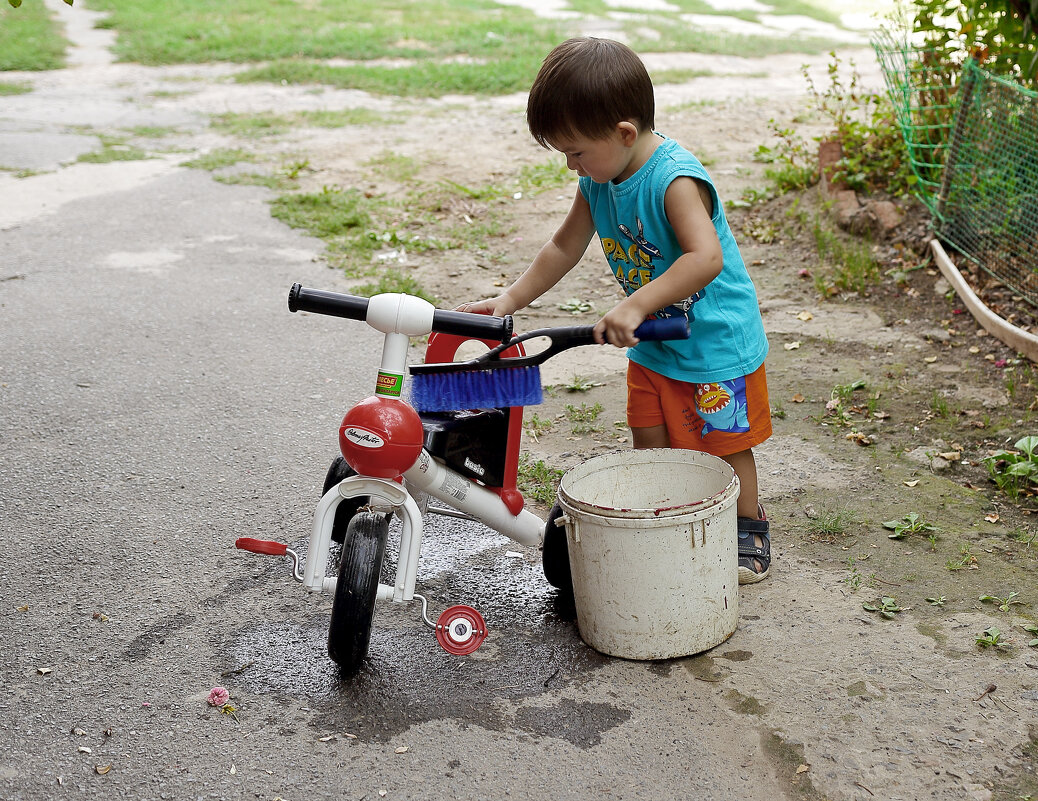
x=390, y=384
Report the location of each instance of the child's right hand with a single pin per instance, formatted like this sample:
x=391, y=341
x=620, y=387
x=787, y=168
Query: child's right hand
x=499, y=306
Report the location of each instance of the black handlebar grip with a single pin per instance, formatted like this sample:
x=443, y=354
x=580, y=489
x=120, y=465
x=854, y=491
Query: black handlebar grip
x=319, y=301
x=337, y=304
x=479, y=326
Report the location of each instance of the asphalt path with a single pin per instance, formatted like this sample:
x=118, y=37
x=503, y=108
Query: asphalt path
x=159, y=401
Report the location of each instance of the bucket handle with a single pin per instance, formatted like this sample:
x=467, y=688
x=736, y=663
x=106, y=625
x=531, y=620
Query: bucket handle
x=571, y=524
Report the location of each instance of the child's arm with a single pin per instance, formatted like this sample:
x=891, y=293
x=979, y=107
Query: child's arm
x=688, y=207
x=556, y=258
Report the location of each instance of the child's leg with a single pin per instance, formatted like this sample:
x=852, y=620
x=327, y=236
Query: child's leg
x=650, y=437
x=746, y=469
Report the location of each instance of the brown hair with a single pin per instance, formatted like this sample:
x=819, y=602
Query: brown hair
x=585, y=87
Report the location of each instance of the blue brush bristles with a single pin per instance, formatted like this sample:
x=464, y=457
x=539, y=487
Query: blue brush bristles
x=476, y=389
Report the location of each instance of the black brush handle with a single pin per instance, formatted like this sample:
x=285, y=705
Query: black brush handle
x=562, y=338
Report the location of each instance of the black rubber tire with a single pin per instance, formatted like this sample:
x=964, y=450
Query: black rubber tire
x=347, y=507
x=555, y=554
x=353, y=606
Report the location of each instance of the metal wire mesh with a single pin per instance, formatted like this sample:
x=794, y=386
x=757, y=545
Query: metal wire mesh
x=988, y=204
x=922, y=87
x=972, y=140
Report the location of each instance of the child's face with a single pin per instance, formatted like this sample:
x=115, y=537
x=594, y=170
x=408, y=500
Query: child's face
x=601, y=160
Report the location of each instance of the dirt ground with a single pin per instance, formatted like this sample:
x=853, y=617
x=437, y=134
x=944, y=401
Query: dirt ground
x=906, y=707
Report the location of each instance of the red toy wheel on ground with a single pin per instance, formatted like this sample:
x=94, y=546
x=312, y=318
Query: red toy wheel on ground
x=460, y=630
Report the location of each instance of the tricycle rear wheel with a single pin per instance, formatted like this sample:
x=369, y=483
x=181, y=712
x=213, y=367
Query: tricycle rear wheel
x=555, y=554
x=353, y=606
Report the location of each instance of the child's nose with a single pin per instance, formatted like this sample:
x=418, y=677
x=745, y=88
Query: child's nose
x=572, y=164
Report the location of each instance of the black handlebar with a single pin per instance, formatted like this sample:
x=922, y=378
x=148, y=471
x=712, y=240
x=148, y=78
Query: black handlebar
x=352, y=307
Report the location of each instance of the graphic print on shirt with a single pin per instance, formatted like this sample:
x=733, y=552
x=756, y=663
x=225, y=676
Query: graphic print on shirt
x=632, y=267
x=722, y=406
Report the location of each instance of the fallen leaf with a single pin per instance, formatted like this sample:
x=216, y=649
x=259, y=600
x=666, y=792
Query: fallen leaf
x=792, y=345
x=85, y=750
x=103, y=769
x=349, y=736
x=326, y=739
x=798, y=398
x=930, y=359
x=402, y=749
x=382, y=793
x=44, y=671
x=950, y=456
x=913, y=483
x=881, y=415
x=805, y=316
x=22, y=608
x=802, y=769
x=234, y=771
x=974, y=350
x=992, y=518
x=859, y=438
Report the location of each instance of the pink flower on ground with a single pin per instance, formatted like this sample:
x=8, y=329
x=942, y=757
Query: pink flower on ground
x=218, y=696
x=1001, y=363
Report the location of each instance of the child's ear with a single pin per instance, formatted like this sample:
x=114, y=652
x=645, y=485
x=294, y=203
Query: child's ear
x=628, y=132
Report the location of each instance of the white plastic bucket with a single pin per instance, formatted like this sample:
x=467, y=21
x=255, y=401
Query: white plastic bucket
x=653, y=550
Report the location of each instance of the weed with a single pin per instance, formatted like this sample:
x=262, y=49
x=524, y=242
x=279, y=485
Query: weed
x=537, y=480
x=1003, y=603
x=936, y=600
x=1015, y=471
x=832, y=523
x=854, y=268
x=888, y=607
x=911, y=523
x=580, y=384
x=854, y=577
x=837, y=408
x=583, y=418
x=938, y=405
x=991, y=637
x=965, y=559
x=794, y=167
x=575, y=306
x=1031, y=628
x=536, y=425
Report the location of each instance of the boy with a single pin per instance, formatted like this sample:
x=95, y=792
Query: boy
x=665, y=236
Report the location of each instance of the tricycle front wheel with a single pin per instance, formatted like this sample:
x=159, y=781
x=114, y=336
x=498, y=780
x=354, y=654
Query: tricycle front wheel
x=353, y=606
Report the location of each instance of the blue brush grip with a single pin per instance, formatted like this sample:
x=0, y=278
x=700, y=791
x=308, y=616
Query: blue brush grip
x=669, y=328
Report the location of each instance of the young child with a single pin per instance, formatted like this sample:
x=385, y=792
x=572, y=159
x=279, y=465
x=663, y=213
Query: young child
x=664, y=233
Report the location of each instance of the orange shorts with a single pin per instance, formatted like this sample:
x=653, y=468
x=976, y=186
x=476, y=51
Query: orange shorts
x=719, y=418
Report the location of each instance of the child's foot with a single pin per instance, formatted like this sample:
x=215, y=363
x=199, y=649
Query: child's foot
x=754, y=548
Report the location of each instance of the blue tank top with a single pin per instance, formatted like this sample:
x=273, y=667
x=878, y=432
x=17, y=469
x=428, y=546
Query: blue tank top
x=728, y=337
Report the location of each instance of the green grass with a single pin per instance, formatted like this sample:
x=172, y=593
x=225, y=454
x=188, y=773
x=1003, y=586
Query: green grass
x=514, y=73
x=30, y=39
x=219, y=159
x=853, y=268
x=245, y=31
x=14, y=88
x=113, y=149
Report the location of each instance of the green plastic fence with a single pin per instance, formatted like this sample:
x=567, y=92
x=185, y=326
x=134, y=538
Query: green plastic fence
x=973, y=143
